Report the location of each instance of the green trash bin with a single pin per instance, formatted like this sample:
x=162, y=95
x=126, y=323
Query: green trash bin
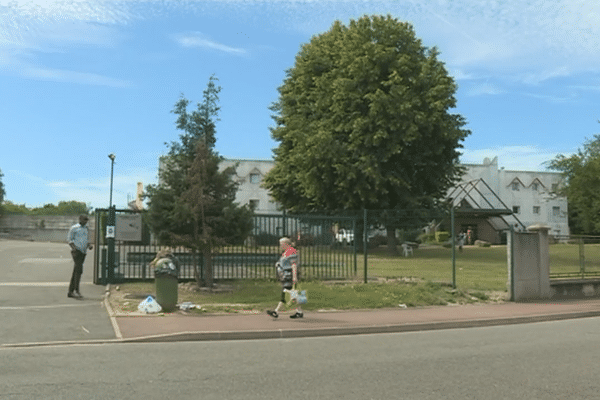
x=166, y=277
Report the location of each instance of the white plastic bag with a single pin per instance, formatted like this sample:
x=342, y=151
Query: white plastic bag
x=149, y=306
x=296, y=296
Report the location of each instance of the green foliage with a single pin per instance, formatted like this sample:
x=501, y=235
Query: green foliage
x=441, y=236
x=426, y=237
x=63, y=208
x=2, y=193
x=582, y=186
x=194, y=203
x=363, y=121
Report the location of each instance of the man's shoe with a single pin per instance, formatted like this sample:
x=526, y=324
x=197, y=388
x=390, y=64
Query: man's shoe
x=297, y=315
x=78, y=294
x=273, y=314
x=72, y=294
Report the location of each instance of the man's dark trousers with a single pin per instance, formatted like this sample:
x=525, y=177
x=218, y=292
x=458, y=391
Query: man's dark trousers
x=78, y=258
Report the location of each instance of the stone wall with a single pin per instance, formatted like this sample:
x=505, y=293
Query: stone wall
x=40, y=228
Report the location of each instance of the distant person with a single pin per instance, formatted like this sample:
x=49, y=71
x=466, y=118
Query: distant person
x=461, y=241
x=470, y=236
x=78, y=240
x=287, y=273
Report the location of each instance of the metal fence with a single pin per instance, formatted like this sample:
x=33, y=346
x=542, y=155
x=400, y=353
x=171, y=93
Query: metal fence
x=321, y=255
x=574, y=256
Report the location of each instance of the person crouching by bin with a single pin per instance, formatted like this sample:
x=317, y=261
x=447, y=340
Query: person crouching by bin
x=288, y=275
x=164, y=253
x=166, y=270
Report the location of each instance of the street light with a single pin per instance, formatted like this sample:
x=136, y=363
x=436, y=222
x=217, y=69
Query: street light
x=110, y=226
x=112, y=164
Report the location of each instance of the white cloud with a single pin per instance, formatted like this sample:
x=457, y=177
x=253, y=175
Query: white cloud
x=519, y=158
x=547, y=38
x=31, y=28
x=197, y=39
x=85, y=78
x=485, y=89
x=34, y=191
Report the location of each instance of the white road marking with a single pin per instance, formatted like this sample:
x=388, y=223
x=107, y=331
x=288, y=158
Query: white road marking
x=95, y=304
x=85, y=330
x=45, y=260
x=40, y=284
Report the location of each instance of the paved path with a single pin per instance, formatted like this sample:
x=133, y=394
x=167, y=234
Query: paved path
x=179, y=326
x=35, y=310
x=34, y=307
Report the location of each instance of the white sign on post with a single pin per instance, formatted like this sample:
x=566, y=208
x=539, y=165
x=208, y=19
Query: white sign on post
x=129, y=227
x=110, y=232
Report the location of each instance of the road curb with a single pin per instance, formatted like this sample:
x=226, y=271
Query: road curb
x=347, y=331
x=200, y=336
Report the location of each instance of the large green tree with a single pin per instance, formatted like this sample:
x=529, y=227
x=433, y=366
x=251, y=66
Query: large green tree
x=581, y=186
x=193, y=204
x=364, y=120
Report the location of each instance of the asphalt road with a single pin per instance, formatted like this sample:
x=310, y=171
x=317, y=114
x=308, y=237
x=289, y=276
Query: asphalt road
x=34, y=279
x=549, y=360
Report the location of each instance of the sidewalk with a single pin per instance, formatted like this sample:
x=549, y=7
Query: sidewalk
x=181, y=326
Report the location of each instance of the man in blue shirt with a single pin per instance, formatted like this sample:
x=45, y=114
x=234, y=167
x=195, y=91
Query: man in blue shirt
x=78, y=240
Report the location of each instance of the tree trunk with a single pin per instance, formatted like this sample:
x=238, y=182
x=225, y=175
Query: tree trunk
x=391, y=241
x=197, y=275
x=208, y=270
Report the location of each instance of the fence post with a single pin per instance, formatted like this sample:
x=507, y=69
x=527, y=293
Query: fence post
x=355, y=247
x=110, y=235
x=581, y=258
x=510, y=244
x=453, y=247
x=365, y=237
x=284, y=224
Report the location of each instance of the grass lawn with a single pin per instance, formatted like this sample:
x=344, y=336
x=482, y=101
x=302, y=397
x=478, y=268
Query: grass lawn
x=419, y=280
x=476, y=267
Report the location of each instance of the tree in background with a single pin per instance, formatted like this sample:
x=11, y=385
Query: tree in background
x=1, y=193
x=363, y=121
x=63, y=208
x=582, y=182
x=194, y=203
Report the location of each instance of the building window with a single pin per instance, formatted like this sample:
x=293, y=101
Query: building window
x=253, y=204
x=254, y=178
x=554, y=187
x=516, y=209
x=556, y=211
x=515, y=186
x=534, y=187
x=536, y=209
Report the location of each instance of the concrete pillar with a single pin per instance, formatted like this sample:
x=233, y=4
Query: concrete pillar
x=529, y=273
x=544, y=259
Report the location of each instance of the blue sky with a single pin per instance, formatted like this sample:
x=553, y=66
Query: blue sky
x=82, y=79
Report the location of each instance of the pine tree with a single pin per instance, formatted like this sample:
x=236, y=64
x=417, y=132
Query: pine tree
x=194, y=203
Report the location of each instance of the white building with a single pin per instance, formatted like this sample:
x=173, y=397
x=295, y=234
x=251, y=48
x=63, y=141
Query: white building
x=528, y=194
x=249, y=175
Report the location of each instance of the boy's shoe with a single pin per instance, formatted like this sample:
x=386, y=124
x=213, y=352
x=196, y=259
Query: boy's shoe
x=273, y=314
x=297, y=315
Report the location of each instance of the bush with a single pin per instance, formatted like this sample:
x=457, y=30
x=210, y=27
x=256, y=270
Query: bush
x=426, y=238
x=266, y=239
x=412, y=235
x=377, y=241
x=441, y=236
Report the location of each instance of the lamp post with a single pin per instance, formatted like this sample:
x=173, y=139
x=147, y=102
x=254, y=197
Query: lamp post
x=110, y=226
x=112, y=165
